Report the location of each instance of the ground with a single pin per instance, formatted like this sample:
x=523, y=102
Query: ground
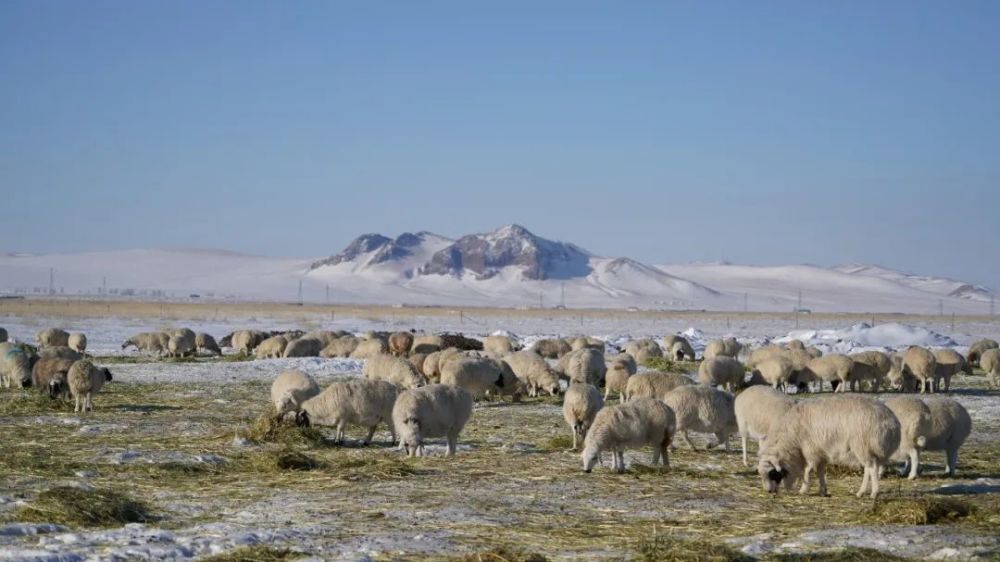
x=191, y=442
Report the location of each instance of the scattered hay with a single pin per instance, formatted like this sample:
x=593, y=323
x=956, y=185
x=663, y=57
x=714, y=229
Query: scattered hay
x=639, y=468
x=371, y=467
x=558, y=443
x=846, y=555
x=30, y=401
x=256, y=553
x=664, y=364
x=236, y=357
x=269, y=429
x=502, y=554
x=673, y=549
x=66, y=505
x=919, y=511
x=282, y=460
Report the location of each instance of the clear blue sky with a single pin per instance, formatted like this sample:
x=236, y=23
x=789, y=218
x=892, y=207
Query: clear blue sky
x=756, y=132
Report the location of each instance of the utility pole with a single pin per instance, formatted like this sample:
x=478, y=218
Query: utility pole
x=104, y=285
x=991, y=304
x=940, y=307
x=746, y=302
x=562, y=294
x=540, y=306
x=327, y=293
x=300, y=291
x=798, y=307
x=52, y=274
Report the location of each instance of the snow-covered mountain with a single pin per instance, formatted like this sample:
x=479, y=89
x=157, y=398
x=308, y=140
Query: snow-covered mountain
x=507, y=267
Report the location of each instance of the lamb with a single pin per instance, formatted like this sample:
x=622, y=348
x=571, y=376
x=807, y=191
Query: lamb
x=400, y=343
x=86, y=379
x=722, y=371
x=644, y=350
x=551, y=348
x=580, y=405
x=849, y=430
x=303, y=347
x=756, y=408
x=15, y=364
x=343, y=346
x=396, y=370
x=775, y=371
x=587, y=366
x=50, y=376
x=915, y=424
x=641, y=422
x=290, y=390
x=353, y=402
x=369, y=348
x=534, y=372
x=873, y=366
x=148, y=342
x=271, y=348
x=950, y=427
x=703, y=409
x=977, y=349
x=479, y=376
x=179, y=346
x=920, y=363
x=728, y=347
x=52, y=336
x=77, y=342
x=948, y=363
x=499, y=344
x=990, y=363
x=427, y=344
x=430, y=411
x=834, y=368
x=653, y=385
x=205, y=343
x=621, y=367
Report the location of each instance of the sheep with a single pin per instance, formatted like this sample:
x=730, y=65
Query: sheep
x=86, y=379
x=369, y=348
x=189, y=336
x=461, y=342
x=534, y=372
x=873, y=366
x=353, y=402
x=49, y=376
x=551, y=348
x=245, y=341
x=478, y=375
x=703, y=409
x=621, y=367
x=728, y=347
x=796, y=344
x=801, y=377
x=205, y=343
x=303, y=347
x=775, y=371
x=15, y=364
x=396, y=370
x=343, y=346
x=950, y=427
x=722, y=371
x=915, y=423
x=271, y=348
x=644, y=350
x=290, y=389
x=430, y=366
x=681, y=349
x=582, y=342
x=899, y=378
x=948, y=363
x=435, y=410
x=756, y=408
x=990, y=364
x=653, y=385
x=762, y=354
x=400, y=343
x=580, y=405
x=641, y=422
x=977, y=349
x=3, y=335
x=179, y=346
x=920, y=363
x=77, y=341
x=59, y=352
x=843, y=429
x=52, y=336
x=325, y=337
x=427, y=344
x=586, y=365
x=813, y=352
x=499, y=344
x=148, y=342
x=417, y=360
x=834, y=368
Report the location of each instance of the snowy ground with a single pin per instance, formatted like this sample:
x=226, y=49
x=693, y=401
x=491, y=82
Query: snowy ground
x=512, y=483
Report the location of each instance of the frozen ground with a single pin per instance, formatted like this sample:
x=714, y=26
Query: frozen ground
x=166, y=432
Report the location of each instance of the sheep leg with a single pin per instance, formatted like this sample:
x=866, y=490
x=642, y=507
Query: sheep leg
x=951, y=461
x=743, y=441
x=452, y=443
x=864, y=481
x=392, y=432
x=664, y=447
x=620, y=457
x=687, y=438
x=914, y=463
x=656, y=456
x=76, y=407
x=574, y=438
x=806, y=479
x=371, y=433
x=723, y=440
x=89, y=405
x=821, y=474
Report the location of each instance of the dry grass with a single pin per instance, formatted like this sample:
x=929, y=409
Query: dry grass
x=670, y=548
x=925, y=510
x=76, y=507
x=257, y=553
x=501, y=554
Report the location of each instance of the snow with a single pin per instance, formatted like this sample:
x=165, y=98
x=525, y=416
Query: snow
x=862, y=337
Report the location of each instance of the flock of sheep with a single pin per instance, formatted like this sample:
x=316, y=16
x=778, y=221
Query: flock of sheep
x=424, y=386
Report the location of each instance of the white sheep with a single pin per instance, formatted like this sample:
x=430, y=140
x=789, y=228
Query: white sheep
x=580, y=405
x=290, y=389
x=400, y=343
x=620, y=369
x=179, y=346
x=245, y=341
x=915, y=424
x=586, y=365
x=303, y=347
x=369, y=348
x=989, y=362
x=436, y=410
x=775, y=370
x=551, y=348
x=899, y=377
x=681, y=349
x=499, y=344
x=920, y=363
x=343, y=346
x=644, y=350
x=77, y=342
x=271, y=348
x=479, y=376
x=834, y=368
x=872, y=366
x=722, y=370
x=976, y=350
x=845, y=430
x=703, y=409
x=948, y=363
x=148, y=342
x=950, y=427
x=653, y=385
x=756, y=408
x=728, y=347
x=396, y=370
x=86, y=379
x=52, y=336
x=636, y=424
x=205, y=343
x=534, y=372
x=362, y=402
x=15, y=365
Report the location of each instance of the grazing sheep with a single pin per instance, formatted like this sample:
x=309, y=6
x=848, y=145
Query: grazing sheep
x=50, y=376
x=756, y=408
x=703, y=409
x=353, y=402
x=644, y=350
x=640, y=422
x=343, y=346
x=899, y=378
x=871, y=366
x=580, y=405
x=653, y=385
x=948, y=363
x=990, y=363
x=179, y=346
x=775, y=371
x=77, y=342
x=15, y=364
x=417, y=360
x=3, y=335
x=479, y=376
x=920, y=363
x=551, y=348
x=681, y=350
x=977, y=349
x=325, y=337
x=802, y=378
x=620, y=369
x=290, y=389
x=586, y=365
x=430, y=366
x=148, y=342
x=59, y=352
x=762, y=354
x=461, y=342
x=950, y=427
x=534, y=372
x=499, y=344
x=722, y=371
x=437, y=410
x=205, y=343
x=52, y=336
x=369, y=348
x=396, y=370
x=834, y=368
x=915, y=424
x=845, y=430
x=86, y=379
x=582, y=342
x=813, y=352
x=728, y=347
x=245, y=341
x=303, y=347
x=427, y=344
x=189, y=336
x=796, y=345
x=400, y=343
x=271, y=348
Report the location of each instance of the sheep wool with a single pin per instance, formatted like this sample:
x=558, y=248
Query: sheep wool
x=633, y=425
